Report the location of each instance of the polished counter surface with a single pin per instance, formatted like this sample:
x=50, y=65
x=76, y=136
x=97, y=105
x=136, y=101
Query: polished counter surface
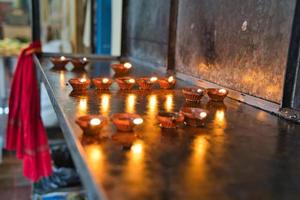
x=241, y=153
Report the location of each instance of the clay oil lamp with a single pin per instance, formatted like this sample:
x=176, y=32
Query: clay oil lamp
x=125, y=122
x=91, y=124
x=79, y=84
x=146, y=83
x=193, y=94
x=59, y=62
x=194, y=116
x=121, y=68
x=216, y=94
x=170, y=119
x=125, y=83
x=167, y=83
x=102, y=83
x=79, y=63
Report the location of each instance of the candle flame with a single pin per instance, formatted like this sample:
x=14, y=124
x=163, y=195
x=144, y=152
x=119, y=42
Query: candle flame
x=153, y=79
x=199, y=90
x=105, y=80
x=131, y=80
x=84, y=59
x=95, y=121
x=82, y=80
x=127, y=65
x=170, y=79
x=62, y=58
x=222, y=91
x=138, y=121
x=202, y=115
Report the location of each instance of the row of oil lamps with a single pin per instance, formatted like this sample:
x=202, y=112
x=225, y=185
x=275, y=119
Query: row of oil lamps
x=125, y=83
x=92, y=124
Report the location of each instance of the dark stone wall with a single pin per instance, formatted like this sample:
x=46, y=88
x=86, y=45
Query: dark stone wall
x=240, y=44
x=147, y=25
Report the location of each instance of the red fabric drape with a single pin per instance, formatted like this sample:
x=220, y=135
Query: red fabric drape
x=25, y=131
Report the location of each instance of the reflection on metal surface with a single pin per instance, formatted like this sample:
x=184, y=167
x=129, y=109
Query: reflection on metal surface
x=152, y=106
x=220, y=118
x=82, y=107
x=197, y=166
x=169, y=103
x=62, y=78
x=95, y=158
x=135, y=172
x=105, y=104
x=130, y=103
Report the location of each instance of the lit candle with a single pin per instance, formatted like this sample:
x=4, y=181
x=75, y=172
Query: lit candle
x=82, y=80
x=95, y=122
x=199, y=90
x=84, y=59
x=202, y=115
x=170, y=79
x=153, y=79
x=62, y=58
x=105, y=80
x=131, y=80
x=138, y=121
x=222, y=91
x=127, y=65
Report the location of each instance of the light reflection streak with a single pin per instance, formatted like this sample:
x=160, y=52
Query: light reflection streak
x=169, y=103
x=130, y=103
x=105, y=104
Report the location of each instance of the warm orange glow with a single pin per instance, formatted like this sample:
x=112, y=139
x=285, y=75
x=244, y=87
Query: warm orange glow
x=62, y=79
x=137, y=150
x=220, y=116
x=169, y=104
x=127, y=65
x=170, y=79
x=152, y=104
x=105, y=104
x=82, y=80
x=95, y=121
x=82, y=107
x=105, y=80
x=130, y=103
x=222, y=91
x=153, y=79
x=94, y=153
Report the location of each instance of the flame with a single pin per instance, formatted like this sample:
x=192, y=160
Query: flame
x=95, y=122
x=105, y=80
x=62, y=58
x=131, y=80
x=202, y=115
x=222, y=91
x=153, y=79
x=170, y=79
x=84, y=59
x=82, y=80
x=127, y=65
x=138, y=121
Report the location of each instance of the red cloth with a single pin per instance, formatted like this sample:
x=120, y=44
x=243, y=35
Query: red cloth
x=25, y=131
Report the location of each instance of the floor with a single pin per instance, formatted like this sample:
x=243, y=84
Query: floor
x=13, y=186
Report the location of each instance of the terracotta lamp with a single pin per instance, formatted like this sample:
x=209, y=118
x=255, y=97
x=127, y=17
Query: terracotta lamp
x=125, y=122
x=125, y=83
x=194, y=116
x=170, y=119
x=91, y=124
x=121, y=68
x=59, y=62
x=167, y=83
x=146, y=83
x=216, y=94
x=79, y=63
x=79, y=84
x=102, y=83
x=193, y=94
